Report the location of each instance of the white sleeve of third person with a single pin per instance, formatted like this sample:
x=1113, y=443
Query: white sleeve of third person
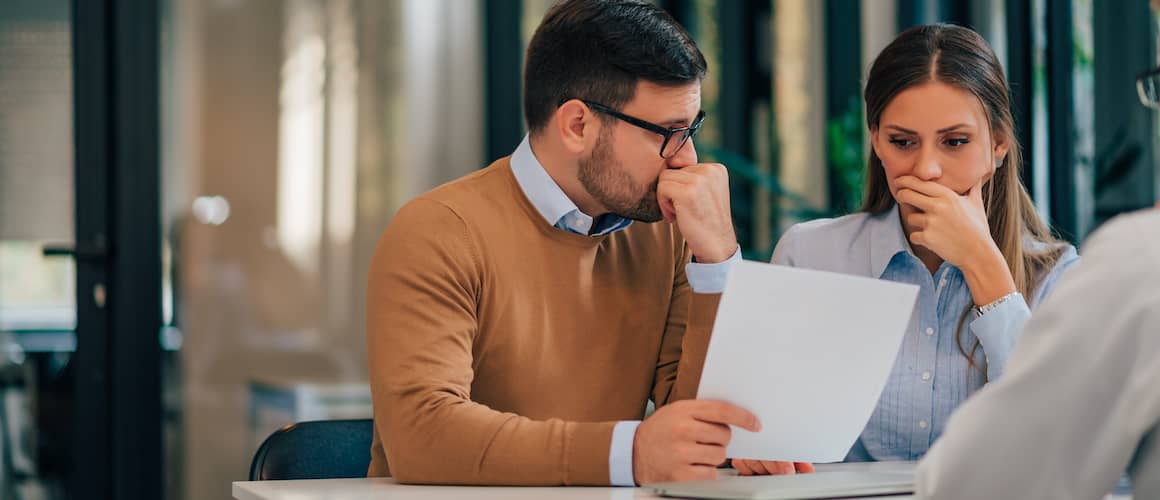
x=1071, y=408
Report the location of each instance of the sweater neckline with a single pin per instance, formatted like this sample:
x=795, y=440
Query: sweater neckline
x=538, y=220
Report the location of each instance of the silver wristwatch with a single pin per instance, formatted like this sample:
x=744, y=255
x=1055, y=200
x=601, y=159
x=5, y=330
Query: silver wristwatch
x=986, y=308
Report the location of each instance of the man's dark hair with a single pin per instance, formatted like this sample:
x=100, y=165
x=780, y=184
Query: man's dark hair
x=598, y=50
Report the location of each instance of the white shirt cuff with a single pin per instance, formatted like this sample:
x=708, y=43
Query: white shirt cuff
x=620, y=453
x=710, y=278
x=998, y=331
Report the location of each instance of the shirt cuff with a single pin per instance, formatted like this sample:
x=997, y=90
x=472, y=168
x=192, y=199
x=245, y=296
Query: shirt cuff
x=710, y=278
x=620, y=453
x=999, y=330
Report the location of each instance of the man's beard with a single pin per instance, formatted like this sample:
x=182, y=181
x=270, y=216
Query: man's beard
x=610, y=185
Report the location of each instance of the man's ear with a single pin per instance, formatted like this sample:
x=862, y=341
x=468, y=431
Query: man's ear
x=577, y=126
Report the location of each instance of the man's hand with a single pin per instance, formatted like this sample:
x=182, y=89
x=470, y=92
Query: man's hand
x=696, y=197
x=686, y=440
x=747, y=467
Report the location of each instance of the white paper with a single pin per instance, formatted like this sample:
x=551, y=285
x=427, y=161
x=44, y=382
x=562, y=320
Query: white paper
x=808, y=352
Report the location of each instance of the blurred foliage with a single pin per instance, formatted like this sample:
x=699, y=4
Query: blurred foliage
x=846, y=158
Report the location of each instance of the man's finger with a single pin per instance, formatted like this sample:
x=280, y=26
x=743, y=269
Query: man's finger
x=678, y=175
x=714, y=434
x=704, y=454
x=720, y=412
x=665, y=201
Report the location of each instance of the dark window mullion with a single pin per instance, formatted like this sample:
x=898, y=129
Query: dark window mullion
x=503, y=77
x=1061, y=113
x=135, y=294
x=1019, y=78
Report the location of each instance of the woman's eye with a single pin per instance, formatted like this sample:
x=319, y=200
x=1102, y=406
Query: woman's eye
x=902, y=143
x=958, y=141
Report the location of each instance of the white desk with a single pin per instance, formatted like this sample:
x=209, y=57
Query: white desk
x=388, y=489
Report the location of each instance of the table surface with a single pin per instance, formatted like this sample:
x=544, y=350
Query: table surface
x=388, y=489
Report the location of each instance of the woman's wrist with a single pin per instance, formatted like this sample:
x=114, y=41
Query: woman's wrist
x=982, y=310
x=988, y=277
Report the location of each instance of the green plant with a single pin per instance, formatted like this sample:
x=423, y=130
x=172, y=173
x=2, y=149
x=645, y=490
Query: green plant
x=844, y=148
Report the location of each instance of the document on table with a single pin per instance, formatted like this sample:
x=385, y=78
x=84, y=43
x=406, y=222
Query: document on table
x=808, y=352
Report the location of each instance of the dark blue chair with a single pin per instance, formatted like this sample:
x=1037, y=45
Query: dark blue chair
x=322, y=449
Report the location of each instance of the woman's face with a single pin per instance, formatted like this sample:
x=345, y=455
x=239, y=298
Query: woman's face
x=937, y=133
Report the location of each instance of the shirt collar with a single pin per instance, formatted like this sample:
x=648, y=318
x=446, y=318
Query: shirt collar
x=555, y=206
x=887, y=239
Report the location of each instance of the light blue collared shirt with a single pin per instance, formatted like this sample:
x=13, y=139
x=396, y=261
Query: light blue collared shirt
x=931, y=377
x=562, y=213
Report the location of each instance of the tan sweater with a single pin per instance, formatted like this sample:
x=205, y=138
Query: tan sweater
x=503, y=350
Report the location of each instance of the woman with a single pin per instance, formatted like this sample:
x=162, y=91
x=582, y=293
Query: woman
x=944, y=209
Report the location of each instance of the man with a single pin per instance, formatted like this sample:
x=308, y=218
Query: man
x=520, y=318
x=1080, y=400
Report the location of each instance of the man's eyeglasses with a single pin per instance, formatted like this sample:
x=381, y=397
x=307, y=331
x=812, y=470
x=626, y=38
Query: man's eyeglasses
x=675, y=138
x=1148, y=86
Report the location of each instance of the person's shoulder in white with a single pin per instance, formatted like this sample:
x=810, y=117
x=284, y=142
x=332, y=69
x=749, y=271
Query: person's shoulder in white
x=1079, y=403
x=1135, y=235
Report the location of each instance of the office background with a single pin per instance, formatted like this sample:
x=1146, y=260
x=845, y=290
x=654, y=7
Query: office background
x=190, y=190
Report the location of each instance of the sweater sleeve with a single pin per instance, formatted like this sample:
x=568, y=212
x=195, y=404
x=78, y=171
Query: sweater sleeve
x=686, y=338
x=424, y=285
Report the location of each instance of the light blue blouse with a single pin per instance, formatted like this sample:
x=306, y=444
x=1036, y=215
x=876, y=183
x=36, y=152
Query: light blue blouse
x=931, y=377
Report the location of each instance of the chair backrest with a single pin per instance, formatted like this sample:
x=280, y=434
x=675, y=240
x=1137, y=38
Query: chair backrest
x=322, y=449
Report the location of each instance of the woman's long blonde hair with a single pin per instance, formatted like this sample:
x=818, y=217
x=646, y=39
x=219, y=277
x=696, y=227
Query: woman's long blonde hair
x=961, y=58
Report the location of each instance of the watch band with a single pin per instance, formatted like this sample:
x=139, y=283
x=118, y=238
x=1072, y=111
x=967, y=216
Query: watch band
x=986, y=308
